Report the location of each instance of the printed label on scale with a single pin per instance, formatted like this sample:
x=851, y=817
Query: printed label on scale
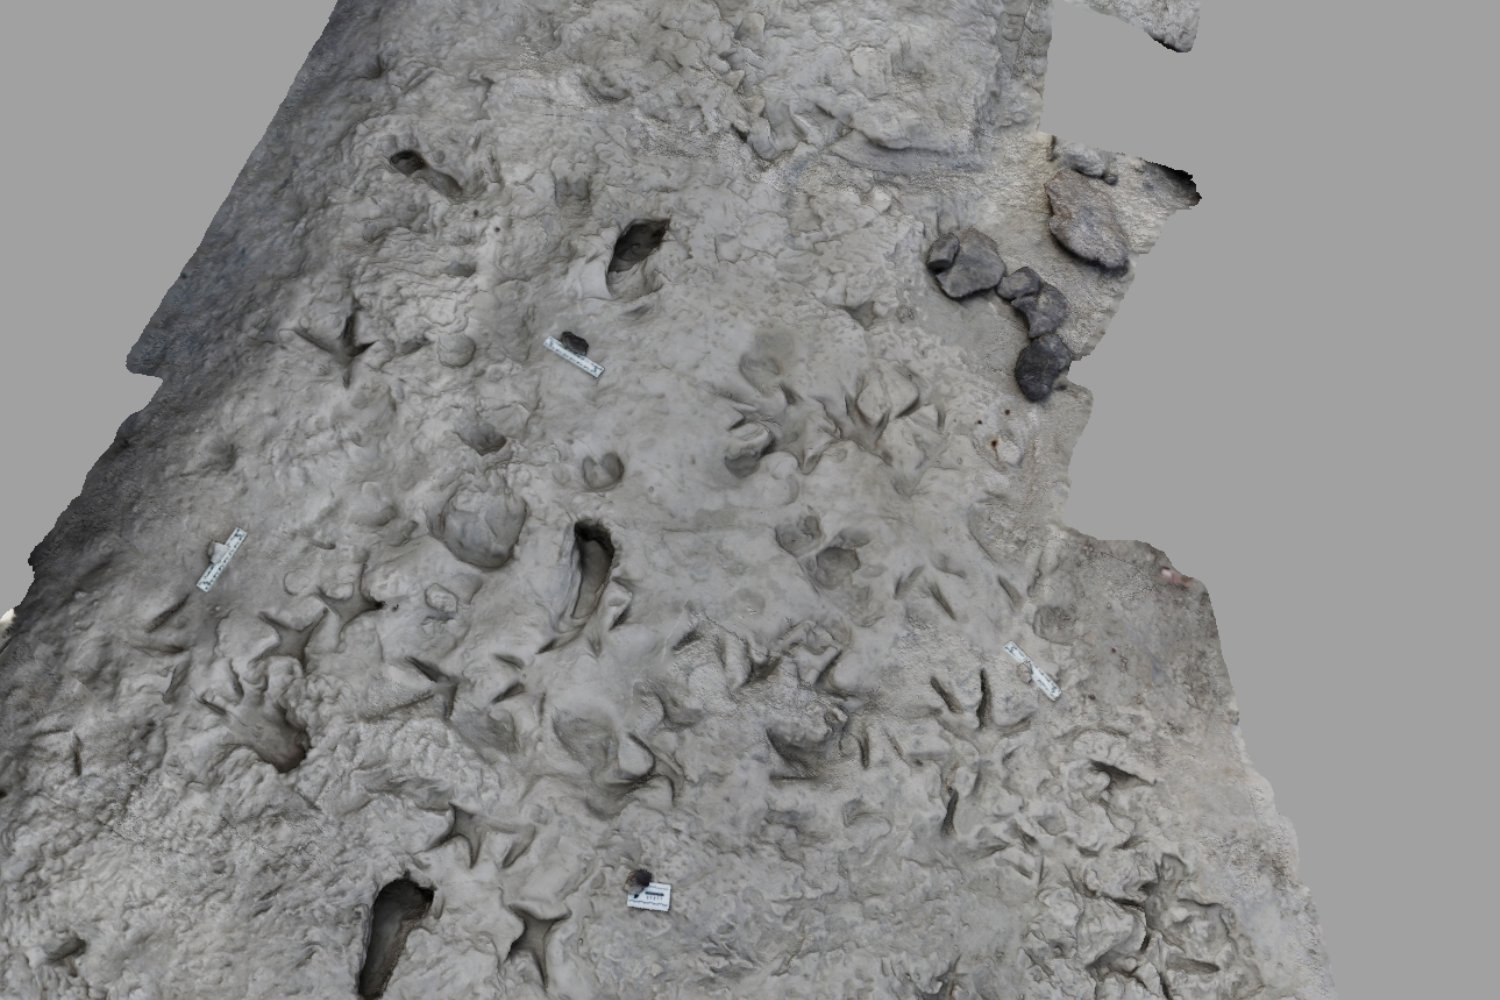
x=222, y=555
x=592, y=367
x=1038, y=675
x=656, y=896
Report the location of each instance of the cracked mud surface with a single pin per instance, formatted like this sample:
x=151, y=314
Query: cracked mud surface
x=501, y=633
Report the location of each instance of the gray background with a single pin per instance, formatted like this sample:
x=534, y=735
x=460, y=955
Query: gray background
x=1290, y=402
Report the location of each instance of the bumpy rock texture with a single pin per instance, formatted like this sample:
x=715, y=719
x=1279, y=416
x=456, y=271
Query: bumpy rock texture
x=501, y=633
x=965, y=263
x=1040, y=364
x=1085, y=221
x=1174, y=23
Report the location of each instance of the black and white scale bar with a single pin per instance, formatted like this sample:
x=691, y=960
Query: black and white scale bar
x=221, y=559
x=656, y=896
x=592, y=367
x=1038, y=675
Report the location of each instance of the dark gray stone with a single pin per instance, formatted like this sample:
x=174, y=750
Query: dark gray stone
x=638, y=881
x=940, y=255
x=1020, y=282
x=1086, y=160
x=1084, y=220
x=973, y=266
x=1039, y=365
x=1045, y=311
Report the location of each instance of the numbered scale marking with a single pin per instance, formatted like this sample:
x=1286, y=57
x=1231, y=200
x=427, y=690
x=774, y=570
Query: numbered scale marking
x=222, y=555
x=592, y=367
x=1038, y=675
x=656, y=896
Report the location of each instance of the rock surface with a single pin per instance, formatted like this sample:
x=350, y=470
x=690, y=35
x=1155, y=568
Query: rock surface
x=1173, y=23
x=1086, y=160
x=1085, y=221
x=1045, y=310
x=1019, y=283
x=965, y=263
x=1040, y=364
x=734, y=610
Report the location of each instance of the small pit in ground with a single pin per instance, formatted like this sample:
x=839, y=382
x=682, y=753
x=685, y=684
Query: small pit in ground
x=399, y=907
x=593, y=558
x=640, y=240
x=484, y=438
x=408, y=161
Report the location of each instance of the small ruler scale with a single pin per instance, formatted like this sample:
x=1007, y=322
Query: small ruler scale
x=222, y=555
x=1038, y=675
x=656, y=896
x=592, y=367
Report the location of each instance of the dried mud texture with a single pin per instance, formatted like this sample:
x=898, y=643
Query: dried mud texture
x=501, y=632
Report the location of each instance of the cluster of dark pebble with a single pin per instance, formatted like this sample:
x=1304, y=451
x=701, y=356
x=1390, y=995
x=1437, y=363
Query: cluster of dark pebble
x=967, y=262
